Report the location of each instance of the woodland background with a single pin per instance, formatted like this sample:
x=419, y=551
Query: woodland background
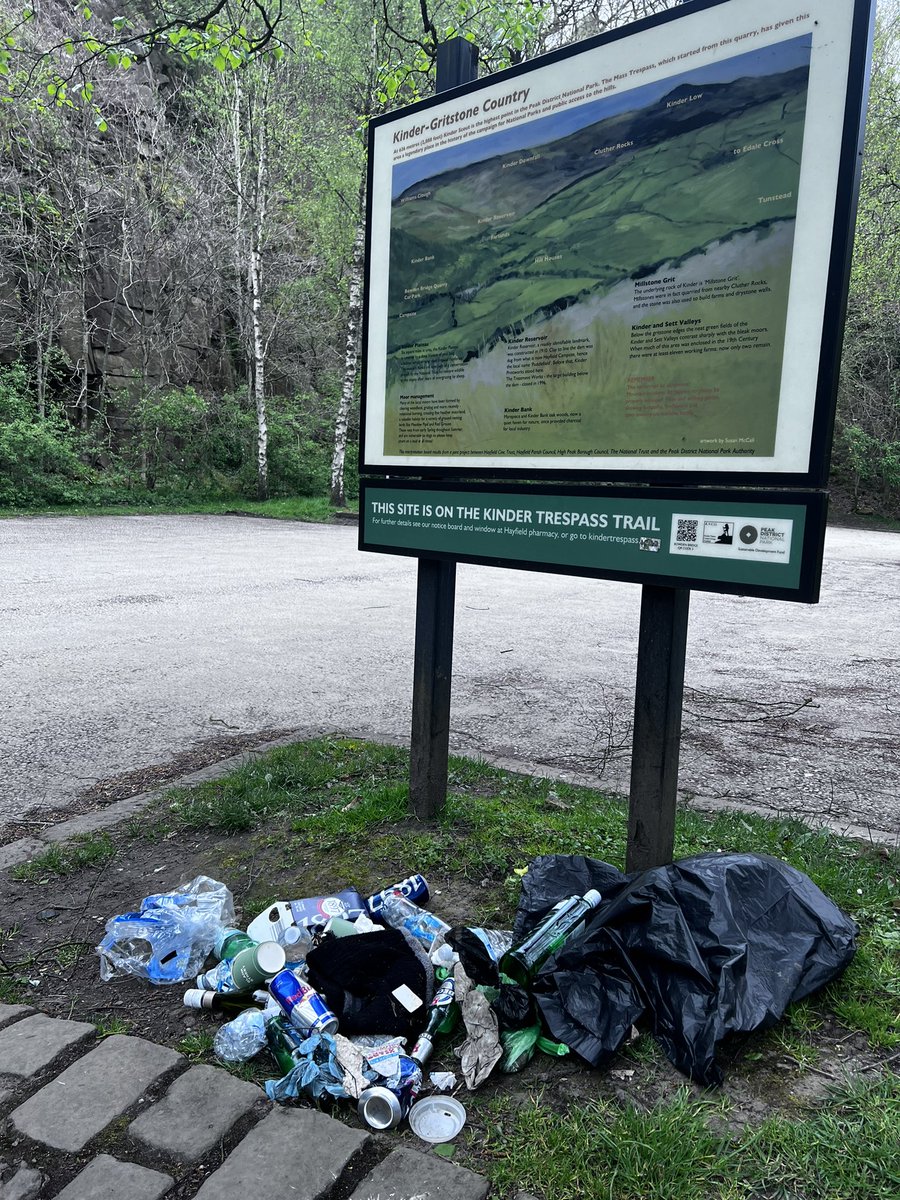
x=181, y=197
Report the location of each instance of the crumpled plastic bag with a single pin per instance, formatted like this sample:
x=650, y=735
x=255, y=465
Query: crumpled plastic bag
x=317, y=1073
x=242, y=1038
x=705, y=947
x=479, y=951
x=168, y=940
x=519, y=1046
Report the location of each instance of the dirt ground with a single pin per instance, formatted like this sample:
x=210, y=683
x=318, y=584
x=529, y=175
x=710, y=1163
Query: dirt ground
x=49, y=930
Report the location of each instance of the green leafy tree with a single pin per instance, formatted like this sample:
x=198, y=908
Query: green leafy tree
x=867, y=447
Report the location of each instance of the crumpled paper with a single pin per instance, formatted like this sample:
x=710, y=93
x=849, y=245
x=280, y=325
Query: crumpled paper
x=442, y=1081
x=352, y=1060
x=481, y=1051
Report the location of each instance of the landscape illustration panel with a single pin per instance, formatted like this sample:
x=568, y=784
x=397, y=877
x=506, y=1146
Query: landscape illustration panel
x=612, y=280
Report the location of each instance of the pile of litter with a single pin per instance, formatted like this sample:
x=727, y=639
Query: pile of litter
x=349, y=994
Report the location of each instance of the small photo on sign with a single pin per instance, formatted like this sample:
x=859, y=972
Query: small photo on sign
x=651, y=544
x=718, y=533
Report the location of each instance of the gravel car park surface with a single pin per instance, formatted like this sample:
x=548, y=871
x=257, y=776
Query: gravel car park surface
x=135, y=648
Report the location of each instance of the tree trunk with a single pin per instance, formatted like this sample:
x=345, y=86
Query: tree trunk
x=259, y=379
x=85, y=359
x=39, y=376
x=351, y=359
x=259, y=351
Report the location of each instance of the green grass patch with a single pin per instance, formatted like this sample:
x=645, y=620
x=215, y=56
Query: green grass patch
x=847, y=1151
x=66, y=858
x=675, y=1151
x=197, y=1046
x=334, y=812
x=599, y=1151
x=112, y=1026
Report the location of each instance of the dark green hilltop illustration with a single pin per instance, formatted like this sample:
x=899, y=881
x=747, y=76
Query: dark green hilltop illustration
x=606, y=281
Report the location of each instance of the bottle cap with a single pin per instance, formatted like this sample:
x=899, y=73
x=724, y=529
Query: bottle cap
x=593, y=897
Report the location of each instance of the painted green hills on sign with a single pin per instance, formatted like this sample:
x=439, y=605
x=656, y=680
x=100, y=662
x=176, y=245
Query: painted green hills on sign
x=497, y=245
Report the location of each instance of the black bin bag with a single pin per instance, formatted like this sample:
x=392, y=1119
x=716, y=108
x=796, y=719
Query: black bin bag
x=705, y=947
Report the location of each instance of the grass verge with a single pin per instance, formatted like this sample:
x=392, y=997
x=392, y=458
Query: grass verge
x=599, y=1151
x=308, y=818
x=291, y=508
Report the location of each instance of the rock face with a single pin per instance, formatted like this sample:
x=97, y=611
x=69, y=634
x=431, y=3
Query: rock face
x=114, y=261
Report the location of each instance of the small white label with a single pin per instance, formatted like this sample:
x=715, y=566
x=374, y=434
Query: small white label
x=407, y=997
x=727, y=536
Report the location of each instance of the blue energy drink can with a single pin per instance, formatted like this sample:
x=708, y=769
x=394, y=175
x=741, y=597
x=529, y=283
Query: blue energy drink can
x=301, y=1003
x=414, y=888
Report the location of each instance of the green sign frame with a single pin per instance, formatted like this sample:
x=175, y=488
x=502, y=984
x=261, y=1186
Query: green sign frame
x=766, y=544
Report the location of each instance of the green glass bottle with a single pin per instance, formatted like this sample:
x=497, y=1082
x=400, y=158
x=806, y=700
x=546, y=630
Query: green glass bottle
x=230, y=941
x=283, y=1040
x=442, y=1020
x=226, y=1002
x=522, y=962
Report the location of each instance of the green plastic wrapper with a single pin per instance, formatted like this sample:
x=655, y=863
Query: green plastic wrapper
x=519, y=1046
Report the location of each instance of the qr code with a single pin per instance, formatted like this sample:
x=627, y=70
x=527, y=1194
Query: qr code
x=687, y=531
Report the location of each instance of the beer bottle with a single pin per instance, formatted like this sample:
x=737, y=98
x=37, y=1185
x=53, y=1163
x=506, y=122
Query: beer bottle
x=443, y=1018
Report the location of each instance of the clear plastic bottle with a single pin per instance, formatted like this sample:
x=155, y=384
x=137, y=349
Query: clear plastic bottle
x=523, y=962
x=242, y=1038
x=403, y=914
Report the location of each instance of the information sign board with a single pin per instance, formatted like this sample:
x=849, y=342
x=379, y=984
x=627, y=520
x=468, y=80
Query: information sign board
x=722, y=541
x=625, y=259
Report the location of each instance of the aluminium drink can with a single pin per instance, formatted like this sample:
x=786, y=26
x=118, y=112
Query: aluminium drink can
x=301, y=1003
x=414, y=888
x=384, y=1107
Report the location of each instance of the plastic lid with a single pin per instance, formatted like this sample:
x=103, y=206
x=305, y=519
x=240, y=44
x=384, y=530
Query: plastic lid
x=437, y=1118
x=291, y=935
x=270, y=957
x=593, y=897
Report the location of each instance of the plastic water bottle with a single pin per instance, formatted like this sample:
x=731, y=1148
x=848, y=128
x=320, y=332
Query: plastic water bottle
x=403, y=914
x=523, y=962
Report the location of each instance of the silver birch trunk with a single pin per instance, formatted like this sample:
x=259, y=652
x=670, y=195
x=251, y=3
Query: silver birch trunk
x=259, y=349
x=39, y=378
x=351, y=360
x=84, y=363
x=240, y=260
